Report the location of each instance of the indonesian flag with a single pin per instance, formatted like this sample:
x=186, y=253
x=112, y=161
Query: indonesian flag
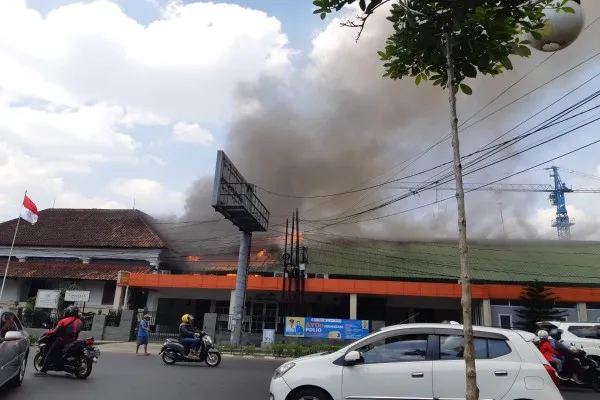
x=29, y=211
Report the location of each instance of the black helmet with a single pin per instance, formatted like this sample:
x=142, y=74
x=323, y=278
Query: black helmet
x=72, y=311
x=555, y=334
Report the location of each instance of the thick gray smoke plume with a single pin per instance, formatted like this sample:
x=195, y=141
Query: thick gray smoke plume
x=340, y=124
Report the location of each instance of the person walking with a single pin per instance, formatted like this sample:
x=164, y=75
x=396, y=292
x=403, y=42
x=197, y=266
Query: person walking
x=142, y=334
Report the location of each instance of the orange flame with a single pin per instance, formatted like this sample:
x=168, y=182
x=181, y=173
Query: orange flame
x=193, y=258
x=262, y=254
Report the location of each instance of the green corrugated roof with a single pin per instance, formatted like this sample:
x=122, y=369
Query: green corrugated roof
x=552, y=262
x=563, y=263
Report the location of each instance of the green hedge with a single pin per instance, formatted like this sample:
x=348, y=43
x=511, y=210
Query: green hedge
x=279, y=350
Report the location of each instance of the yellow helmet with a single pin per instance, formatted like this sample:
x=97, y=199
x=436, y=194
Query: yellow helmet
x=187, y=318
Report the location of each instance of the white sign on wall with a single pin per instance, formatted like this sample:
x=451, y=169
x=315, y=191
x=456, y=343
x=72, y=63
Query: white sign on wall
x=77, y=295
x=47, y=298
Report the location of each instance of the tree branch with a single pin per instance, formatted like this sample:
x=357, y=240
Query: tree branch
x=363, y=19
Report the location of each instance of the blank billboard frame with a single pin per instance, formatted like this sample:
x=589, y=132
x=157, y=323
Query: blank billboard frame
x=235, y=198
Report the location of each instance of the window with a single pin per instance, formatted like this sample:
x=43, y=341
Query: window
x=452, y=348
x=401, y=348
x=108, y=295
x=587, y=332
x=505, y=321
x=8, y=323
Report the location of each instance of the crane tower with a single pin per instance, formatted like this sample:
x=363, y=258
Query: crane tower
x=562, y=222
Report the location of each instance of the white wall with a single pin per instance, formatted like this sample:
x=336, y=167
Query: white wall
x=149, y=255
x=14, y=290
x=200, y=294
x=96, y=289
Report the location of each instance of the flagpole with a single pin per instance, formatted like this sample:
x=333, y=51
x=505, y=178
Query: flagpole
x=11, y=250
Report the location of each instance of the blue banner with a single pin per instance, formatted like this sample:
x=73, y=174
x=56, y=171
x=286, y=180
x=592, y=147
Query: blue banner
x=326, y=328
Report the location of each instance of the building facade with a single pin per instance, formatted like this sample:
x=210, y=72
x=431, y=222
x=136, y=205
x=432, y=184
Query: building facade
x=79, y=248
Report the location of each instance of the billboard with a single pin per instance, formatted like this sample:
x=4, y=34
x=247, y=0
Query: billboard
x=236, y=199
x=326, y=328
x=77, y=295
x=47, y=298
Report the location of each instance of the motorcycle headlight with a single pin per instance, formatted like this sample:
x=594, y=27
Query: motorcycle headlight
x=283, y=369
x=207, y=339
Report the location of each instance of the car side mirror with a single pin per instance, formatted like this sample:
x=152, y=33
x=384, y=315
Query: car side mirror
x=12, y=335
x=352, y=358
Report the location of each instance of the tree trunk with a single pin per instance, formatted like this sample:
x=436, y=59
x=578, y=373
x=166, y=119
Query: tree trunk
x=472, y=392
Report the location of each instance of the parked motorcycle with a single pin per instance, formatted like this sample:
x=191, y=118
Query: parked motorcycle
x=173, y=351
x=77, y=357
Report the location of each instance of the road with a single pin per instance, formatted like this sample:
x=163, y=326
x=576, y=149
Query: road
x=126, y=376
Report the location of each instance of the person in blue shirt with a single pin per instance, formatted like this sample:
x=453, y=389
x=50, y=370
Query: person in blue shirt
x=142, y=334
x=299, y=329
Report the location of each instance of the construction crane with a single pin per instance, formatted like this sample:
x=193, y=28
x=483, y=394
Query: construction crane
x=557, y=191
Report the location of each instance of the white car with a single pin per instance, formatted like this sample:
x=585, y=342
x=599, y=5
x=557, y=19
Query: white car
x=584, y=335
x=420, y=361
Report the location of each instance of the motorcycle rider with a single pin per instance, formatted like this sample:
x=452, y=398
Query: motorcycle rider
x=187, y=334
x=66, y=331
x=570, y=362
x=548, y=351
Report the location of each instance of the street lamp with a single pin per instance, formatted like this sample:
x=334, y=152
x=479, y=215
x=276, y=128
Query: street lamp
x=562, y=30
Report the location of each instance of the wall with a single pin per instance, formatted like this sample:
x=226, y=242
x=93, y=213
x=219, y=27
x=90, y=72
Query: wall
x=37, y=332
x=571, y=315
x=200, y=294
x=593, y=315
x=150, y=255
x=15, y=290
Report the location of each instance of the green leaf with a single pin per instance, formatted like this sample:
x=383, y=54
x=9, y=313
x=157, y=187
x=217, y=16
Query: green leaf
x=455, y=89
x=362, y=5
x=536, y=35
x=383, y=55
x=418, y=80
x=466, y=89
x=522, y=51
x=469, y=70
x=505, y=61
x=569, y=10
x=323, y=15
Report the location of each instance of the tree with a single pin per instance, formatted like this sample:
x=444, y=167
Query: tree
x=538, y=304
x=446, y=42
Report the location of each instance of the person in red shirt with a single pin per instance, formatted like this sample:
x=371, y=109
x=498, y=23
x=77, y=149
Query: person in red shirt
x=549, y=352
x=66, y=331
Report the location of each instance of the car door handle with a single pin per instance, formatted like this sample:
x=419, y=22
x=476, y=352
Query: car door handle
x=417, y=375
x=501, y=373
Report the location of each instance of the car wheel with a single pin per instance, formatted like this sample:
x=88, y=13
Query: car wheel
x=18, y=378
x=310, y=394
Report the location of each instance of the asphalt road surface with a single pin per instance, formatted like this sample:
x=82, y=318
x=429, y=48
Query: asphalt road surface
x=126, y=376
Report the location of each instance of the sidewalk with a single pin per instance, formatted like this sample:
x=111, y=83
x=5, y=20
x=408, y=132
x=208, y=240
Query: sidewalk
x=154, y=348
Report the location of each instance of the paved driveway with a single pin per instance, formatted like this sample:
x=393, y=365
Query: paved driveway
x=126, y=376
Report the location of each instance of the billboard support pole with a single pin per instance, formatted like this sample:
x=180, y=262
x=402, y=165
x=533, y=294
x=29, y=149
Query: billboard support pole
x=240, y=289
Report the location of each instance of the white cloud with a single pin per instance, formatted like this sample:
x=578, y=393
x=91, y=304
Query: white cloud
x=192, y=133
x=76, y=200
x=73, y=80
x=149, y=195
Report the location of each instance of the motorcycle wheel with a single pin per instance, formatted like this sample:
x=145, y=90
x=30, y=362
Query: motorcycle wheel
x=83, y=368
x=37, y=362
x=213, y=359
x=169, y=357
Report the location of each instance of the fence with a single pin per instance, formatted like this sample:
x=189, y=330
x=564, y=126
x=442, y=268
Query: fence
x=251, y=324
x=158, y=332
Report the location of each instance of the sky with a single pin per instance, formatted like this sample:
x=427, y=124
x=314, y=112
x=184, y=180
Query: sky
x=123, y=103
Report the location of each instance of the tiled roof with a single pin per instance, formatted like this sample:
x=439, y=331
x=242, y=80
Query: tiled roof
x=71, y=270
x=561, y=263
x=68, y=227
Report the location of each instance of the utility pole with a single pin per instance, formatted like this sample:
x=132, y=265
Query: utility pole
x=240, y=288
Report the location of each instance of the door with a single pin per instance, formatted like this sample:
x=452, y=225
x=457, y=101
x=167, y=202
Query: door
x=496, y=363
x=393, y=367
x=9, y=351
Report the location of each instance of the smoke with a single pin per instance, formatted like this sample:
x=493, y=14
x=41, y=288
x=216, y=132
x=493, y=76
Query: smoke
x=337, y=124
